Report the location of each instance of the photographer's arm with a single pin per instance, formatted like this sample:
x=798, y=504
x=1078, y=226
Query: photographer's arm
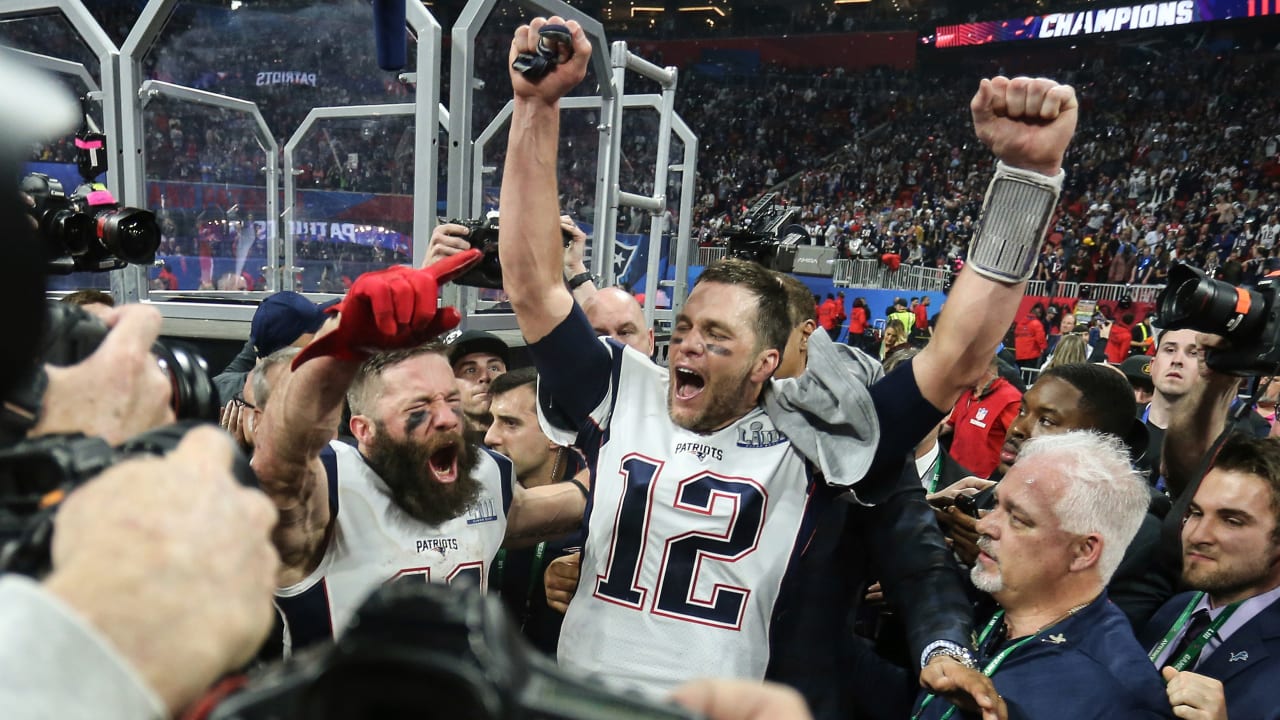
x=1028, y=124
x=531, y=248
x=302, y=417
x=161, y=582
x=117, y=392
x=1196, y=422
x=447, y=240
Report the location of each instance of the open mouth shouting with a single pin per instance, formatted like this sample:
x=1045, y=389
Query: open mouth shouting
x=688, y=384
x=443, y=461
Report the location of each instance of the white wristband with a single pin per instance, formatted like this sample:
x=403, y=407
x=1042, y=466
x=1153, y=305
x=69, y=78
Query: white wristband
x=1015, y=217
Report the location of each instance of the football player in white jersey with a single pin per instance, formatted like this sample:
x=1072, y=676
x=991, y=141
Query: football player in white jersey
x=413, y=500
x=700, y=503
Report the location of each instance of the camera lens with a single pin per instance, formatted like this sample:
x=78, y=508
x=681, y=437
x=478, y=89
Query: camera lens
x=192, y=394
x=130, y=234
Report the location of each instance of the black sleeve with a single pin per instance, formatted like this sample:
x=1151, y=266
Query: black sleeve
x=919, y=574
x=906, y=417
x=1141, y=585
x=575, y=370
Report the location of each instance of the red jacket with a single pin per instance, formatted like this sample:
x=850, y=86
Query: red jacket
x=1029, y=342
x=1118, y=343
x=857, y=320
x=980, y=424
x=922, y=316
x=827, y=312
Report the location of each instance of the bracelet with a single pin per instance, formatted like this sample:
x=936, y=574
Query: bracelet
x=576, y=483
x=951, y=650
x=1015, y=217
x=581, y=279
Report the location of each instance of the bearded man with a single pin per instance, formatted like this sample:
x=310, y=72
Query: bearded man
x=413, y=501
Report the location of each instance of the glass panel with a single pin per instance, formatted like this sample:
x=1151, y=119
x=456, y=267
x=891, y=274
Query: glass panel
x=354, y=208
x=205, y=182
x=355, y=205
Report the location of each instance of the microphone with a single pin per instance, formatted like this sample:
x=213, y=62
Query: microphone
x=389, y=34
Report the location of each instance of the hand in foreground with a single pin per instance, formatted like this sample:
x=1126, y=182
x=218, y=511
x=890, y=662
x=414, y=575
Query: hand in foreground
x=1193, y=696
x=171, y=559
x=561, y=580
x=967, y=689
x=447, y=240
x=562, y=77
x=119, y=390
x=390, y=309
x=1027, y=122
x=742, y=700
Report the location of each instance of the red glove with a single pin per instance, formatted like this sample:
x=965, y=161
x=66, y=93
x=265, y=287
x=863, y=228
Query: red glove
x=391, y=309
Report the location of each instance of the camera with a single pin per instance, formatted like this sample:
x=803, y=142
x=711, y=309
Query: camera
x=483, y=236
x=88, y=231
x=1248, y=318
x=71, y=335
x=766, y=234
x=422, y=650
x=36, y=474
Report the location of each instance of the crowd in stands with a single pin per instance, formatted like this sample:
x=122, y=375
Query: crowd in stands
x=1176, y=159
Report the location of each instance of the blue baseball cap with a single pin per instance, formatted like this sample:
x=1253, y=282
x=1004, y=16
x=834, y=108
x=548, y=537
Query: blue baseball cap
x=283, y=318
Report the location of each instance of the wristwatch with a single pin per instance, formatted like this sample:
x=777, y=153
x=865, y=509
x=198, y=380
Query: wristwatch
x=581, y=279
x=950, y=649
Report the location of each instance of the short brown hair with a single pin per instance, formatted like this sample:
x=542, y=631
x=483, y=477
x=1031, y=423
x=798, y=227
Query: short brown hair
x=365, y=388
x=88, y=297
x=772, y=321
x=1254, y=456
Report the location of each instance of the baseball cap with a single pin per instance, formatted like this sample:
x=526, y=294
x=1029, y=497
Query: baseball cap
x=283, y=318
x=475, y=341
x=1137, y=369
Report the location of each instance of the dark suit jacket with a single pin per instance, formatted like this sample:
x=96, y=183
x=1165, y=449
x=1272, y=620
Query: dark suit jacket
x=897, y=541
x=1247, y=664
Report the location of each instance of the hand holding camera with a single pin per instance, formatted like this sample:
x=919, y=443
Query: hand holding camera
x=140, y=395
x=138, y=550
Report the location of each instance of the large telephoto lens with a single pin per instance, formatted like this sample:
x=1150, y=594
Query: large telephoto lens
x=1196, y=301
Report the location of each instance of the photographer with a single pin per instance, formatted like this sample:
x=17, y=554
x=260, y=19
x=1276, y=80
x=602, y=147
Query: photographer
x=124, y=627
x=112, y=631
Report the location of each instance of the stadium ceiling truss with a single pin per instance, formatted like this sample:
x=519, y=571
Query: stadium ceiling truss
x=124, y=93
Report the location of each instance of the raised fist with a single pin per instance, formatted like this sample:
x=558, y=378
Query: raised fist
x=1027, y=122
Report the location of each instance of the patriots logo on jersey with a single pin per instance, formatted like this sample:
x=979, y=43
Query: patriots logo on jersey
x=754, y=435
x=700, y=450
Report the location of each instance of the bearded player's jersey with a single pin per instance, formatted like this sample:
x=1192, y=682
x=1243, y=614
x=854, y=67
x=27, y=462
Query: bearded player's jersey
x=372, y=542
x=692, y=539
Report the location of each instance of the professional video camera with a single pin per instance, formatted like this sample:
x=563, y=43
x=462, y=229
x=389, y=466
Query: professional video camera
x=483, y=236
x=36, y=474
x=764, y=235
x=1248, y=318
x=421, y=650
x=87, y=230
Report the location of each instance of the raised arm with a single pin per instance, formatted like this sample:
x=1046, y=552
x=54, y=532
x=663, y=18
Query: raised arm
x=530, y=245
x=299, y=421
x=1027, y=123
x=384, y=310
